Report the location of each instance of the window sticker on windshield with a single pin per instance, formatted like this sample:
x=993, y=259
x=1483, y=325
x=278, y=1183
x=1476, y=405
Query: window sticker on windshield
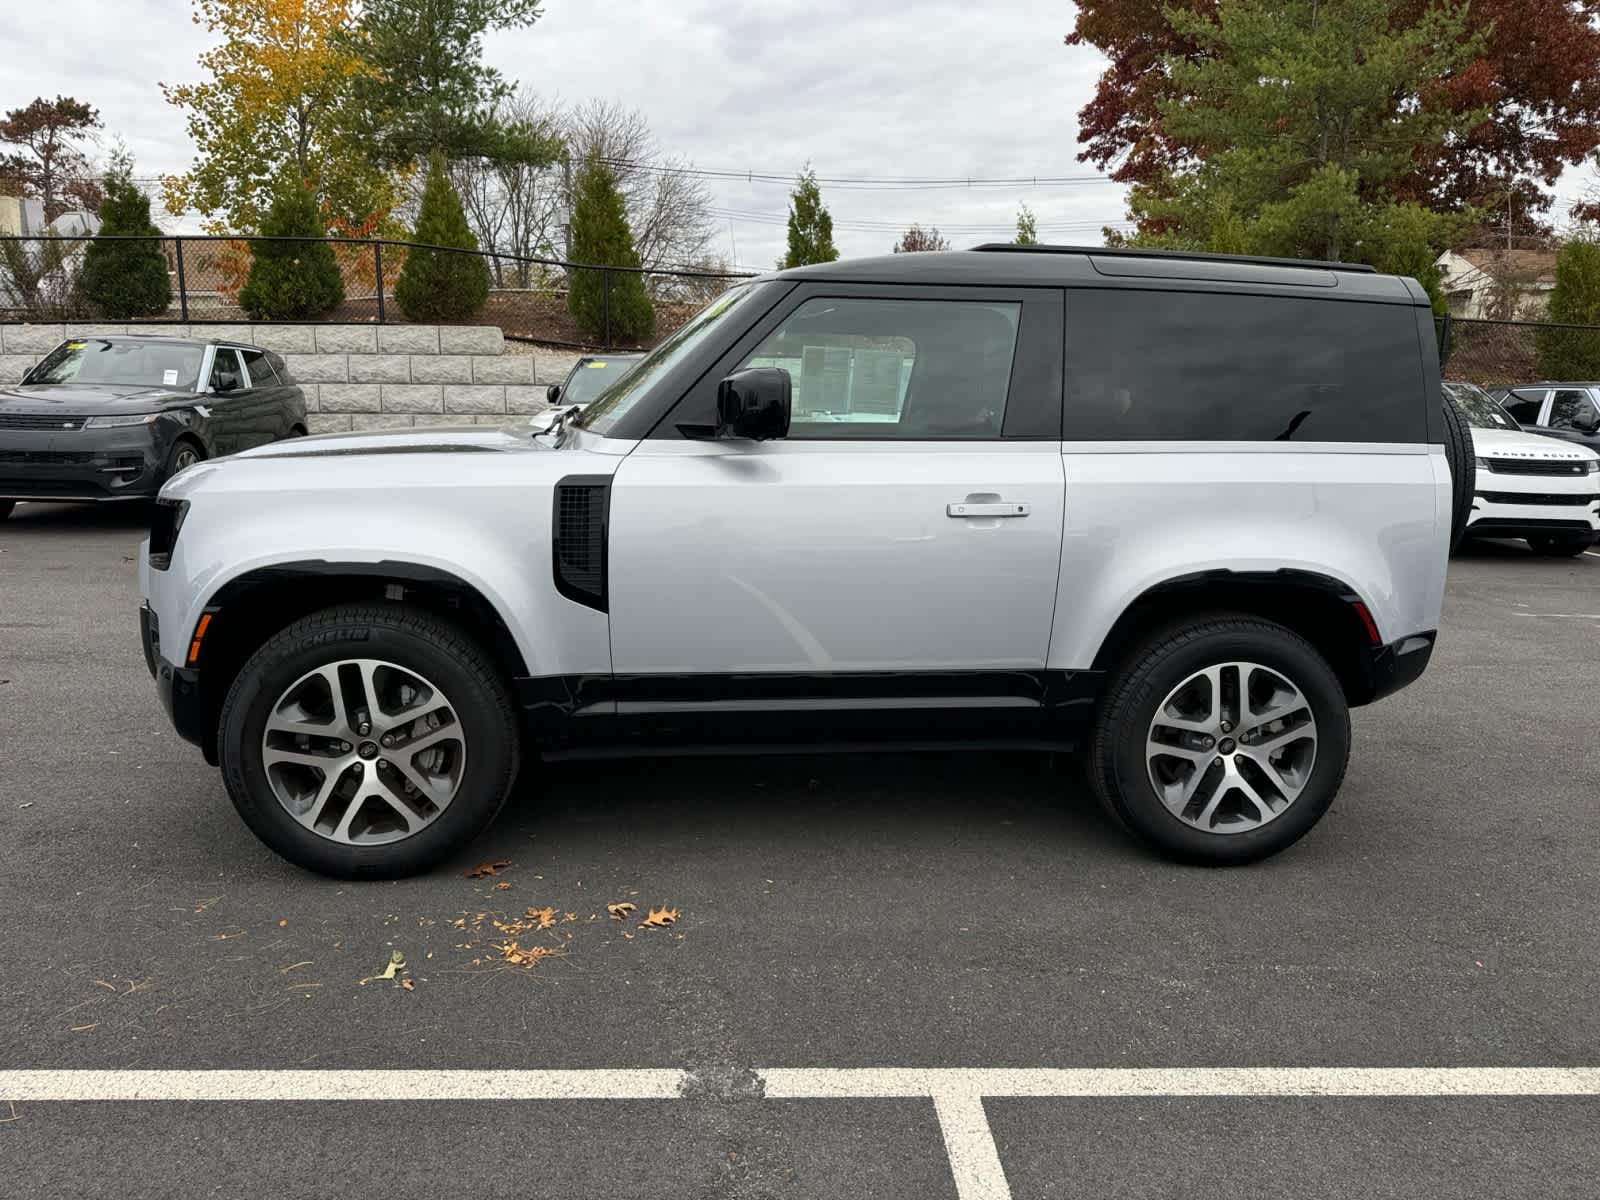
x=74, y=345
x=169, y=378
x=598, y=364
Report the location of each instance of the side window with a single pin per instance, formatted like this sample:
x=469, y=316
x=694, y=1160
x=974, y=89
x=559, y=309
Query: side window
x=1524, y=406
x=225, y=373
x=867, y=368
x=260, y=370
x=1571, y=408
x=1194, y=366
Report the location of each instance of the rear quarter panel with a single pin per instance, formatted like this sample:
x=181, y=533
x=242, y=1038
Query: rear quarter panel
x=1374, y=517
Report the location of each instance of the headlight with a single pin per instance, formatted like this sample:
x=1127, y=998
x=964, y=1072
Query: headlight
x=1592, y=467
x=112, y=422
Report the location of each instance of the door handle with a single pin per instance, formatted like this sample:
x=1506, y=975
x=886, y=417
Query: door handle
x=987, y=508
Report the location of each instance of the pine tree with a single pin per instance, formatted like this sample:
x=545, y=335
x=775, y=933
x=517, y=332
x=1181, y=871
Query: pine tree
x=441, y=285
x=1027, y=229
x=810, y=225
x=1573, y=353
x=292, y=280
x=601, y=237
x=123, y=279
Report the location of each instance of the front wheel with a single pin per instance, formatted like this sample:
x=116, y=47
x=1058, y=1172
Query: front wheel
x=368, y=741
x=1564, y=545
x=1222, y=741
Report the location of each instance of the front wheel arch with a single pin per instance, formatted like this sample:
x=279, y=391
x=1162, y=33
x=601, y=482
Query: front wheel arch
x=249, y=610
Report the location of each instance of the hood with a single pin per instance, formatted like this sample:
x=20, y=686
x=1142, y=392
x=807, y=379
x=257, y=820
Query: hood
x=87, y=399
x=1513, y=443
x=459, y=439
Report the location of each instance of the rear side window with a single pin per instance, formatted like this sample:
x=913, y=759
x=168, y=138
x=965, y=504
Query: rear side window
x=895, y=368
x=1189, y=366
x=260, y=369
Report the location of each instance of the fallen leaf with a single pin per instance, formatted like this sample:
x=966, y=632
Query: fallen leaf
x=488, y=868
x=659, y=918
x=545, y=917
x=512, y=952
x=82, y=1028
x=619, y=911
x=627, y=935
x=408, y=985
x=502, y=887
x=283, y=924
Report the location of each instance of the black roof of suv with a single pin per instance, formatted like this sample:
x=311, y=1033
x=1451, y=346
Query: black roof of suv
x=1055, y=266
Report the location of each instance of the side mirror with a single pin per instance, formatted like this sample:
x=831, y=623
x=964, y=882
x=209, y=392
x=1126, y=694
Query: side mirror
x=754, y=403
x=552, y=393
x=1586, y=424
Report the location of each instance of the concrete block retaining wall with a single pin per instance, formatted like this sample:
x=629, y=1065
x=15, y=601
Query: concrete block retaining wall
x=362, y=376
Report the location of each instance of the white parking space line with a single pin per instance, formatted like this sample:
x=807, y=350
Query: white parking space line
x=1565, y=616
x=957, y=1092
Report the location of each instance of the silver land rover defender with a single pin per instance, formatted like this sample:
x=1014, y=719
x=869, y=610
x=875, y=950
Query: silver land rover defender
x=1177, y=512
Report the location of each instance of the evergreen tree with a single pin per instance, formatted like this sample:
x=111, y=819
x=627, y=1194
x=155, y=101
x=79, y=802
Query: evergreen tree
x=1573, y=353
x=1311, y=114
x=292, y=280
x=601, y=237
x=810, y=225
x=1027, y=228
x=122, y=279
x=441, y=285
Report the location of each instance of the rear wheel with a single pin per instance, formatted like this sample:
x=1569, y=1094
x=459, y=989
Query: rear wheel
x=368, y=741
x=1463, y=467
x=1222, y=741
x=1563, y=545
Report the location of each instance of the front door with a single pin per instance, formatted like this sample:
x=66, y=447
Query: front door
x=901, y=544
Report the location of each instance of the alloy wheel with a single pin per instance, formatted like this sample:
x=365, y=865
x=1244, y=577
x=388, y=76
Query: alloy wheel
x=1231, y=747
x=363, y=751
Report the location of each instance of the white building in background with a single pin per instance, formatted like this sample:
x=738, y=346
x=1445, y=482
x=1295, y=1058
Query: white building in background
x=23, y=216
x=1509, y=284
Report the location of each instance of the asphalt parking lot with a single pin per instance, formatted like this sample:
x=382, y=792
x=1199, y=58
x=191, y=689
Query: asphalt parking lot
x=938, y=912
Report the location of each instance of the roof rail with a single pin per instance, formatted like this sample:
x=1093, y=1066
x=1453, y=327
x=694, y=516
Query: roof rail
x=1195, y=255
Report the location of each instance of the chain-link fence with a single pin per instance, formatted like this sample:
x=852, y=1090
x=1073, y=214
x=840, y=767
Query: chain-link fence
x=544, y=300
x=1507, y=353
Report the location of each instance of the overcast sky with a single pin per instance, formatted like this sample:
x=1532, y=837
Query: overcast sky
x=875, y=88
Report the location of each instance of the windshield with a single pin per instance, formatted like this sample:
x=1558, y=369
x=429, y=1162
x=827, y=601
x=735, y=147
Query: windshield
x=115, y=361
x=589, y=379
x=615, y=402
x=1479, y=407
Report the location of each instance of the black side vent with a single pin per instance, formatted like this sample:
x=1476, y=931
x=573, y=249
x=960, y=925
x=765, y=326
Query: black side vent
x=579, y=538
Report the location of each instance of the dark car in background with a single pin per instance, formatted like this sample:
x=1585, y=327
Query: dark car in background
x=113, y=418
x=591, y=375
x=1569, y=411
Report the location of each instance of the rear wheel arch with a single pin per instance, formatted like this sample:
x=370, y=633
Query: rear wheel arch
x=250, y=608
x=1322, y=610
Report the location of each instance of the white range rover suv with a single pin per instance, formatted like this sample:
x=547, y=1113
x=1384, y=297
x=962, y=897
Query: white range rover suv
x=1179, y=512
x=1528, y=486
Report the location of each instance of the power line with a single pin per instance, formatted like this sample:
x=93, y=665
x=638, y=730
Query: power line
x=865, y=182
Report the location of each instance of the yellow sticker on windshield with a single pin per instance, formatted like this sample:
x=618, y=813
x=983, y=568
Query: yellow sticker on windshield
x=598, y=364
x=74, y=345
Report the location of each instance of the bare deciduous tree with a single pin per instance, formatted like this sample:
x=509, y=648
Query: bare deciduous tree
x=516, y=210
x=668, y=210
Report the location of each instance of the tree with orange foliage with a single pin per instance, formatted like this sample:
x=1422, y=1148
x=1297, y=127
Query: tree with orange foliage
x=277, y=96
